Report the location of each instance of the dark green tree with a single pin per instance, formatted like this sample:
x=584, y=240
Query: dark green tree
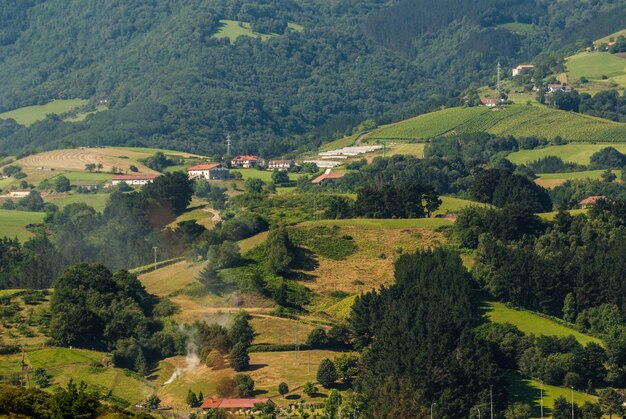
x=326, y=373
x=283, y=389
x=611, y=402
x=241, y=331
x=61, y=184
x=238, y=357
x=254, y=185
x=278, y=250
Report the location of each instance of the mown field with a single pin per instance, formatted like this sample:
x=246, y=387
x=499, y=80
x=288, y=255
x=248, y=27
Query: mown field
x=13, y=223
x=233, y=29
x=529, y=322
x=516, y=120
x=573, y=152
x=594, y=65
x=28, y=115
x=96, y=200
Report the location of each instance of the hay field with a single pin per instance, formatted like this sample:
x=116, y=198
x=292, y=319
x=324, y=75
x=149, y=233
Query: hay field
x=372, y=264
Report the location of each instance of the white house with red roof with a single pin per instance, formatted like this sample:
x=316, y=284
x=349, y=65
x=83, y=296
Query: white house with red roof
x=490, y=102
x=590, y=201
x=522, y=68
x=246, y=162
x=134, y=180
x=208, y=171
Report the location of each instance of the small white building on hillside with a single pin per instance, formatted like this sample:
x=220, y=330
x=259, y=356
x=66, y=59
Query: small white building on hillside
x=280, y=164
x=522, y=68
x=133, y=180
x=208, y=172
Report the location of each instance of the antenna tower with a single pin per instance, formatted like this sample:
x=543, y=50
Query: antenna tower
x=228, y=143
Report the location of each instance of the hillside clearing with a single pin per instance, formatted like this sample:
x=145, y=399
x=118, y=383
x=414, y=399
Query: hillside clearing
x=529, y=322
x=233, y=29
x=528, y=391
x=574, y=152
x=594, y=65
x=385, y=223
x=13, y=223
x=28, y=115
x=516, y=120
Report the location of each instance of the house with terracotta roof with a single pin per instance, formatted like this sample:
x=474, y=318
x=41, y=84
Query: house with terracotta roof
x=522, y=68
x=280, y=164
x=590, y=201
x=246, y=162
x=327, y=176
x=244, y=406
x=490, y=102
x=208, y=171
x=134, y=180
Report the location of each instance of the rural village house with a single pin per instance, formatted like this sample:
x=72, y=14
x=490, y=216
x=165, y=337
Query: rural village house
x=590, y=201
x=490, y=102
x=558, y=88
x=327, y=176
x=19, y=193
x=280, y=164
x=133, y=180
x=522, y=68
x=208, y=171
x=247, y=162
x=245, y=406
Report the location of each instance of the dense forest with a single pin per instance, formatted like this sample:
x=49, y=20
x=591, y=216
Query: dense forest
x=170, y=82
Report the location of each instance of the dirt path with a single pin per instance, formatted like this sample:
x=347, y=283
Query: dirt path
x=216, y=214
x=360, y=139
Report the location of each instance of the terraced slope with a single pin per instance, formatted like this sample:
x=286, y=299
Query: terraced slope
x=517, y=120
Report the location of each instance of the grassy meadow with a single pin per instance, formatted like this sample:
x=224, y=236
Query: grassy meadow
x=28, y=115
x=573, y=152
x=594, y=65
x=516, y=120
x=233, y=29
x=13, y=223
x=529, y=391
x=529, y=322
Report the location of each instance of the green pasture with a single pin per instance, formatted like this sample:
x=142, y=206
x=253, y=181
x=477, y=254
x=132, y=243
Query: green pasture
x=10, y=293
x=96, y=200
x=28, y=115
x=573, y=152
x=549, y=216
x=13, y=223
x=529, y=322
x=85, y=178
x=384, y=223
x=340, y=143
x=516, y=120
x=81, y=116
x=233, y=29
x=586, y=174
x=264, y=175
x=594, y=65
x=450, y=204
x=529, y=391
x=608, y=37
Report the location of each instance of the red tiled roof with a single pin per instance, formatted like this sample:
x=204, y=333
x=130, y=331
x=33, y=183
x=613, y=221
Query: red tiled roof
x=211, y=404
x=231, y=403
x=247, y=158
x=331, y=175
x=490, y=100
x=591, y=200
x=135, y=177
x=203, y=167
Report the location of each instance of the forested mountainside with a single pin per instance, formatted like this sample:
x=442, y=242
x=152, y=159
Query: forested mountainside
x=308, y=70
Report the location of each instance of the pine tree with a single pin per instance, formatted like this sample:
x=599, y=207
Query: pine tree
x=239, y=358
x=211, y=279
x=326, y=373
x=278, y=250
x=569, y=308
x=200, y=398
x=192, y=399
x=241, y=331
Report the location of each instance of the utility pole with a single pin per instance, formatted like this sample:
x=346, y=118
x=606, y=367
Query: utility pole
x=155, y=257
x=431, y=409
x=491, y=399
x=572, y=402
x=228, y=143
x=541, y=400
x=498, y=86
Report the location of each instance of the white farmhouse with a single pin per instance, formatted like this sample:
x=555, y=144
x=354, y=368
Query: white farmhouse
x=133, y=180
x=208, y=171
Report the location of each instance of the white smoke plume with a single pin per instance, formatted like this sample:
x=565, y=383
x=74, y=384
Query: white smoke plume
x=192, y=360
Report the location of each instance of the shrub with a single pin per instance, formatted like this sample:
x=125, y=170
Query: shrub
x=317, y=338
x=244, y=385
x=215, y=360
x=238, y=357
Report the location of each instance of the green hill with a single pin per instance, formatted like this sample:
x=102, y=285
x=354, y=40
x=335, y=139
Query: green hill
x=517, y=120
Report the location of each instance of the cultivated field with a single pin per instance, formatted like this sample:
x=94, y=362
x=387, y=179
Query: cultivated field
x=517, y=120
x=529, y=322
x=28, y=115
x=13, y=223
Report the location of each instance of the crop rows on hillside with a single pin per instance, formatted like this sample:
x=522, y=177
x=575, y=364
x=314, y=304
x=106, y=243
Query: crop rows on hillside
x=519, y=121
